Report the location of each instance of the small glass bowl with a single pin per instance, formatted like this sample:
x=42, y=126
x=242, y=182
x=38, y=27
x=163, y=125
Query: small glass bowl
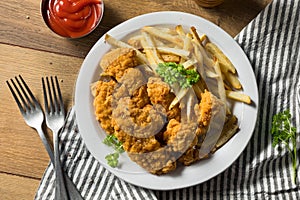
x=71, y=32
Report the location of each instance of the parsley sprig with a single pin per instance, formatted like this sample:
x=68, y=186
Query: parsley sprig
x=283, y=132
x=173, y=72
x=113, y=158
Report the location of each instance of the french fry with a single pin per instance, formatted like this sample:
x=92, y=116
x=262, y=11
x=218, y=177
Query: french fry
x=198, y=91
x=180, y=52
x=163, y=35
x=203, y=38
x=117, y=43
x=189, y=63
x=221, y=87
x=178, y=97
x=187, y=40
x=135, y=41
x=229, y=130
x=233, y=80
x=180, y=31
x=201, y=51
x=151, y=47
x=149, y=55
x=238, y=96
x=170, y=58
x=225, y=63
x=195, y=34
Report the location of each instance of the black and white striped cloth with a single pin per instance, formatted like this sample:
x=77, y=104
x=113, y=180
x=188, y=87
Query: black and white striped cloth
x=271, y=42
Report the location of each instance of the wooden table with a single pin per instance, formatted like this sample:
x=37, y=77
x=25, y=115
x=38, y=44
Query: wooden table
x=29, y=48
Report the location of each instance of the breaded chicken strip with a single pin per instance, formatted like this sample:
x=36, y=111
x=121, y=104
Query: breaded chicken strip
x=159, y=92
x=211, y=114
x=138, y=122
x=132, y=111
x=133, y=144
x=203, y=112
x=102, y=92
x=118, y=67
x=111, y=56
x=180, y=136
x=182, y=139
x=160, y=161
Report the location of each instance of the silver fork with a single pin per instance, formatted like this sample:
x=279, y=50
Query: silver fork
x=29, y=108
x=55, y=117
x=34, y=117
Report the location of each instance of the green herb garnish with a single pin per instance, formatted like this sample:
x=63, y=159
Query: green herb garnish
x=176, y=73
x=283, y=132
x=113, y=158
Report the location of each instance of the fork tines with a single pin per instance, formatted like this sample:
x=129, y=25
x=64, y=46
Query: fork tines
x=22, y=94
x=54, y=104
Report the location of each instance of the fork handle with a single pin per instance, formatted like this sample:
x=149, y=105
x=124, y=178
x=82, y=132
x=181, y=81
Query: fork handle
x=60, y=188
x=71, y=188
x=46, y=144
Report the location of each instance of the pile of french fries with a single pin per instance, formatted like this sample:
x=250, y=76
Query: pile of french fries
x=159, y=44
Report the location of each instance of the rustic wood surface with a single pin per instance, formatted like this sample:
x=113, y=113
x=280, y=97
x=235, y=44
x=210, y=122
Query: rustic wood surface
x=29, y=48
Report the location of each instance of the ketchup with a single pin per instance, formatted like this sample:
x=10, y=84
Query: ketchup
x=73, y=18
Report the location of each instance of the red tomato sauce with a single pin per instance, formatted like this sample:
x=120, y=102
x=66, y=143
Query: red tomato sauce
x=73, y=18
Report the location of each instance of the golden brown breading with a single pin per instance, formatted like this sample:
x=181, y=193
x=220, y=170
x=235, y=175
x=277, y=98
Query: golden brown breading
x=180, y=136
x=111, y=56
x=160, y=161
x=132, y=80
x=190, y=156
x=211, y=118
x=159, y=92
x=140, y=98
x=132, y=111
x=119, y=66
x=177, y=138
x=102, y=92
x=203, y=111
x=138, y=122
x=133, y=144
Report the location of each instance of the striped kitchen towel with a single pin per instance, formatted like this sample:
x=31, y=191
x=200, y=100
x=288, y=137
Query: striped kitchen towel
x=271, y=42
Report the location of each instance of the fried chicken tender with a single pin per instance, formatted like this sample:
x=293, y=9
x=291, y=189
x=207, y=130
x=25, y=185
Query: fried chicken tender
x=111, y=56
x=190, y=156
x=179, y=140
x=127, y=135
x=132, y=80
x=160, y=161
x=211, y=114
x=119, y=66
x=102, y=92
x=180, y=136
x=132, y=111
x=159, y=92
x=133, y=144
x=203, y=112
x=138, y=139
x=144, y=122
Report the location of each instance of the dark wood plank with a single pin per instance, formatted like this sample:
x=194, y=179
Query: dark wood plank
x=22, y=25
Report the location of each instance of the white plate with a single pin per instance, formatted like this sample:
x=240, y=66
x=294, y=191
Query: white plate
x=197, y=173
